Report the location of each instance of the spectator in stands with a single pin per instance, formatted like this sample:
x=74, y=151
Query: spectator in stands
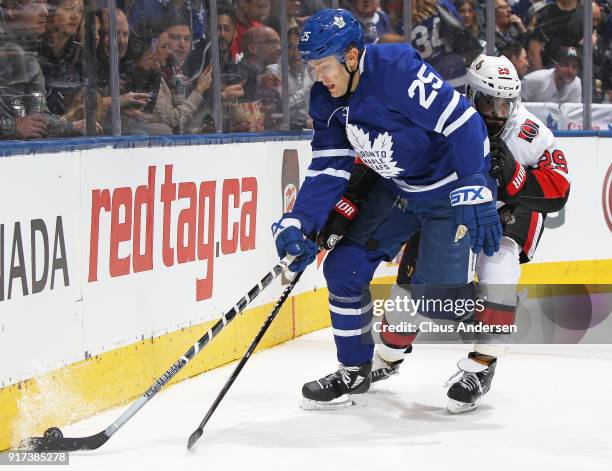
x=226, y=29
x=162, y=50
x=179, y=43
x=559, y=84
x=508, y=26
x=607, y=81
x=23, y=111
x=440, y=18
x=557, y=25
x=184, y=111
x=472, y=34
x=60, y=54
x=468, y=9
x=395, y=12
x=601, y=53
x=236, y=82
x=299, y=82
x=249, y=14
x=261, y=47
x=132, y=102
x=374, y=21
x=516, y=53
x=150, y=17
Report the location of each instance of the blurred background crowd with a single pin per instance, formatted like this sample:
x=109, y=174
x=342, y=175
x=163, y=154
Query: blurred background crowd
x=155, y=67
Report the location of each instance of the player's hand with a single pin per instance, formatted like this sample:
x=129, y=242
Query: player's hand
x=510, y=174
x=290, y=239
x=475, y=210
x=31, y=127
x=337, y=224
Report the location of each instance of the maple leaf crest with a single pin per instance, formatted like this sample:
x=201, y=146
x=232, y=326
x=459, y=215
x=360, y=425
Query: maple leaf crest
x=377, y=155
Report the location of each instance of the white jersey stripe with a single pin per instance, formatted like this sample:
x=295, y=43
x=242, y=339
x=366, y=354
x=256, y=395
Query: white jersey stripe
x=329, y=171
x=536, y=234
x=447, y=112
x=347, y=333
x=418, y=188
x=467, y=114
x=347, y=311
x=333, y=153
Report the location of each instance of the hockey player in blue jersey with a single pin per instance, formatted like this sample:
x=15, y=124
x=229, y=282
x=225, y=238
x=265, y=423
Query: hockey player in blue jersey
x=383, y=103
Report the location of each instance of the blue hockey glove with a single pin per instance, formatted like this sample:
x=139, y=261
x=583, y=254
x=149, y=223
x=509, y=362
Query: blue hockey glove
x=475, y=209
x=290, y=239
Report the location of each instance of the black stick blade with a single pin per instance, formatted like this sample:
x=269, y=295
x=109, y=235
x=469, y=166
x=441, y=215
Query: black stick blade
x=195, y=436
x=51, y=443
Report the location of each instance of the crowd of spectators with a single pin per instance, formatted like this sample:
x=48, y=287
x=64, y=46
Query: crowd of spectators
x=55, y=58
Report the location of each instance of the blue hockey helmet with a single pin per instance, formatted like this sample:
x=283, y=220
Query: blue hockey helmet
x=330, y=31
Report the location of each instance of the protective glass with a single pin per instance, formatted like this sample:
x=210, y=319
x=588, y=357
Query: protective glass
x=495, y=107
x=316, y=67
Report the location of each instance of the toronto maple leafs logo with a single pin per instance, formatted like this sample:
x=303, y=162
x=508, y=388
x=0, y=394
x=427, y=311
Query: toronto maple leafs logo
x=378, y=154
x=339, y=22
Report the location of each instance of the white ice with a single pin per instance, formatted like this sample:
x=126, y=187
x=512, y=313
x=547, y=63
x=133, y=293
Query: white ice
x=546, y=411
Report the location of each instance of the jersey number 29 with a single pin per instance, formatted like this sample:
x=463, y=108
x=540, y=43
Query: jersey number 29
x=423, y=78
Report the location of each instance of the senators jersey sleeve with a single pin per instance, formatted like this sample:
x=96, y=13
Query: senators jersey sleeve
x=546, y=183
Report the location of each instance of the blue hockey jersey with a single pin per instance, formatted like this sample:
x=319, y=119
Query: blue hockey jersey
x=404, y=122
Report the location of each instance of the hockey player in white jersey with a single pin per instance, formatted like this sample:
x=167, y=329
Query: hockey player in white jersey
x=533, y=180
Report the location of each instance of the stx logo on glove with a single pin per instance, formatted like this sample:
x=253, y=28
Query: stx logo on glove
x=470, y=195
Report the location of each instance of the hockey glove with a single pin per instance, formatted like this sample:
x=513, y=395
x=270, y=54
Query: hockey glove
x=339, y=220
x=475, y=209
x=510, y=174
x=290, y=239
x=337, y=224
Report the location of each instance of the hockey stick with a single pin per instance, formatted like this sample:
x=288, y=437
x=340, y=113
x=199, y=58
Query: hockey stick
x=54, y=440
x=195, y=436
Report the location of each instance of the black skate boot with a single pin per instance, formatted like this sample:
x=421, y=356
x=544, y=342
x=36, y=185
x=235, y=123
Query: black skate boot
x=382, y=369
x=338, y=389
x=470, y=383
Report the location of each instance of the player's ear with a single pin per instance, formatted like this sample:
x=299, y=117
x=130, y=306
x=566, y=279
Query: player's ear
x=352, y=57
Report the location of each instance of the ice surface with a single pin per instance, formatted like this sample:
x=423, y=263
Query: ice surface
x=546, y=411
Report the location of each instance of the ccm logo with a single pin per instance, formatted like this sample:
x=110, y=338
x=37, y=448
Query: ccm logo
x=470, y=195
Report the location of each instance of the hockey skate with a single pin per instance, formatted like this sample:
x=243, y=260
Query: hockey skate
x=470, y=383
x=382, y=369
x=341, y=389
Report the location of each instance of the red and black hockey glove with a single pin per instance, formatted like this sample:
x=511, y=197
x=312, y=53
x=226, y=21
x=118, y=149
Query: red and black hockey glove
x=340, y=218
x=510, y=174
x=337, y=224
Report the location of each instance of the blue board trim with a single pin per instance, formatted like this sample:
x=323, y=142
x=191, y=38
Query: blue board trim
x=46, y=146
x=49, y=146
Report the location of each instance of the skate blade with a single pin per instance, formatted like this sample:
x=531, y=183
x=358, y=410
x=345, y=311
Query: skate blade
x=343, y=402
x=457, y=407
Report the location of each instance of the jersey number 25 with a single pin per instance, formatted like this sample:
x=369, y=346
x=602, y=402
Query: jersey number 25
x=423, y=78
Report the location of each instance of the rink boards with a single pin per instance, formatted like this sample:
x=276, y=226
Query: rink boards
x=113, y=261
